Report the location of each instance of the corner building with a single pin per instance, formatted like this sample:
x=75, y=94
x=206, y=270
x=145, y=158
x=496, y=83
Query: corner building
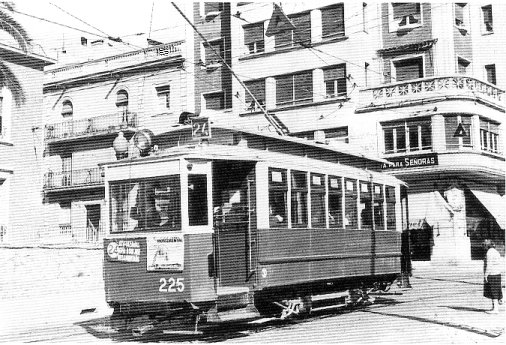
x=419, y=84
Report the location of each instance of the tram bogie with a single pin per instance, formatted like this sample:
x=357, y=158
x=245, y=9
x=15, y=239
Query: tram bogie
x=256, y=226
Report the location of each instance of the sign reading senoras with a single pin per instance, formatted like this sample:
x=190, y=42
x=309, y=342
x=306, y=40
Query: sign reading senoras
x=411, y=161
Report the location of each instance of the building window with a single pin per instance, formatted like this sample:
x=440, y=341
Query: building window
x=407, y=136
x=163, y=93
x=455, y=138
x=365, y=205
x=390, y=203
x=122, y=99
x=215, y=100
x=460, y=15
x=406, y=15
x=335, y=202
x=408, y=69
x=335, y=81
x=67, y=109
x=488, y=23
x=278, y=206
x=254, y=38
x=489, y=136
x=294, y=89
x=331, y=134
x=210, y=57
x=300, y=36
x=318, y=201
x=462, y=65
x=299, y=199
x=491, y=76
x=350, y=204
x=333, y=21
x=257, y=88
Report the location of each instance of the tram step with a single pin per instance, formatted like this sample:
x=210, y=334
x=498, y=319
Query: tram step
x=232, y=297
x=235, y=314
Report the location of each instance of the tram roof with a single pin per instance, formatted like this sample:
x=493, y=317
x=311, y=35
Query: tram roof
x=335, y=147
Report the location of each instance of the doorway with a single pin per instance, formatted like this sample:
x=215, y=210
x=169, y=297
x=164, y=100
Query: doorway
x=234, y=220
x=93, y=215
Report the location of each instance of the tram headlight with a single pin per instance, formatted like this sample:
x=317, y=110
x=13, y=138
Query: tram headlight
x=143, y=140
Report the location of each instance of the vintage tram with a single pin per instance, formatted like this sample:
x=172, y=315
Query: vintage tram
x=240, y=224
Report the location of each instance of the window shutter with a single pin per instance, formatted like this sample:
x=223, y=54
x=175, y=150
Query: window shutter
x=332, y=21
x=121, y=98
x=409, y=69
x=253, y=33
x=302, y=33
x=67, y=108
x=334, y=73
x=284, y=89
x=403, y=9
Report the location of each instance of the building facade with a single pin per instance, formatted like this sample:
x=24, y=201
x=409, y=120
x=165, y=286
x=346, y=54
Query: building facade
x=419, y=84
x=87, y=106
x=20, y=144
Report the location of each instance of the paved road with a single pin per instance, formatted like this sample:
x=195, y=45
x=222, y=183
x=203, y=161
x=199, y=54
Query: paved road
x=444, y=306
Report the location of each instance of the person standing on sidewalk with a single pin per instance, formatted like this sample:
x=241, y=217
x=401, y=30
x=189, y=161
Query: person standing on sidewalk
x=492, y=275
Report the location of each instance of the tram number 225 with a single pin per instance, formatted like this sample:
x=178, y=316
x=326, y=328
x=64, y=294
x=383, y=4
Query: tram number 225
x=171, y=285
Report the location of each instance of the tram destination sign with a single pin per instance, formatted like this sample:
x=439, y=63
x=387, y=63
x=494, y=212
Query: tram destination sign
x=411, y=161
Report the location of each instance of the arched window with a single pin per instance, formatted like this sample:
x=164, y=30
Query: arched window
x=122, y=98
x=67, y=109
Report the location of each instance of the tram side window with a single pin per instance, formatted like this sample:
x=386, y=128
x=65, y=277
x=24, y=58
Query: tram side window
x=318, y=201
x=140, y=205
x=365, y=205
x=197, y=199
x=350, y=204
x=390, y=200
x=335, y=202
x=379, y=215
x=278, y=190
x=299, y=199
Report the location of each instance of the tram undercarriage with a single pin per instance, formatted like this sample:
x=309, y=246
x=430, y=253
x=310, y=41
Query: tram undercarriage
x=242, y=305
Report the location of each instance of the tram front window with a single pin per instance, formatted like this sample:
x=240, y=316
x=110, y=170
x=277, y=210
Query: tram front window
x=197, y=200
x=147, y=204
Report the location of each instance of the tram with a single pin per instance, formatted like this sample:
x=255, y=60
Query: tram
x=207, y=228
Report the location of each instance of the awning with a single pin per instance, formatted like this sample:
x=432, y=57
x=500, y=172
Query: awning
x=430, y=208
x=495, y=204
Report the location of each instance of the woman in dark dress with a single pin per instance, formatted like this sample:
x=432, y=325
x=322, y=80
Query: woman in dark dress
x=492, y=276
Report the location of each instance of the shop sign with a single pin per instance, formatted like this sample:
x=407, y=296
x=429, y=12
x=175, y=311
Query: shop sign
x=411, y=161
x=124, y=250
x=165, y=253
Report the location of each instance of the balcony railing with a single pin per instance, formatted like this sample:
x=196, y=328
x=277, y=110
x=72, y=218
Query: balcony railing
x=91, y=126
x=75, y=178
x=424, y=89
x=66, y=233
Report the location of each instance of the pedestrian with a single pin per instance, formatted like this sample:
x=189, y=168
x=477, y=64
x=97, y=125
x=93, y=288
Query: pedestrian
x=492, y=276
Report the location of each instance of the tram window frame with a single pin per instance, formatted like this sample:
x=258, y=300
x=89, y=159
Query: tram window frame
x=197, y=200
x=350, y=201
x=390, y=201
x=378, y=207
x=317, y=199
x=136, y=207
x=278, y=191
x=299, y=199
x=365, y=205
x=335, y=194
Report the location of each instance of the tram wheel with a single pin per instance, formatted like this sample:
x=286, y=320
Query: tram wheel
x=266, y=306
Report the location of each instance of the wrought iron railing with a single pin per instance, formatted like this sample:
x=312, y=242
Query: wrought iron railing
x=83, y=234
x=74, y=178
x=447, y=86
x=91, y=126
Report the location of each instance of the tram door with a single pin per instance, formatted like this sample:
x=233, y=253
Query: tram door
x=234, y=220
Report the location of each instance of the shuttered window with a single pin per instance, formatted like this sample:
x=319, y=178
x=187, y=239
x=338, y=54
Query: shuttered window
x=406, y=13
x=254, y=38
x=335, y=81
x=451, y=125
x=67, y=109
x=489, y=135
x=333, y=21
x=210, y=48
x=257, y=88
x=215, y=101
x=488, y=23
x=490, y=70
x=301, y=34
x=294, y=89
x=408, y=69
x=121, y=98
x=408, y=136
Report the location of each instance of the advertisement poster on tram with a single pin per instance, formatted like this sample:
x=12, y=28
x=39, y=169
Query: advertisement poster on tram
x=165, y=253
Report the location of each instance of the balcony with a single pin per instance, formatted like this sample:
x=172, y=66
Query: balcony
x=427, y=90
x=75, y=179
x=93, y=126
